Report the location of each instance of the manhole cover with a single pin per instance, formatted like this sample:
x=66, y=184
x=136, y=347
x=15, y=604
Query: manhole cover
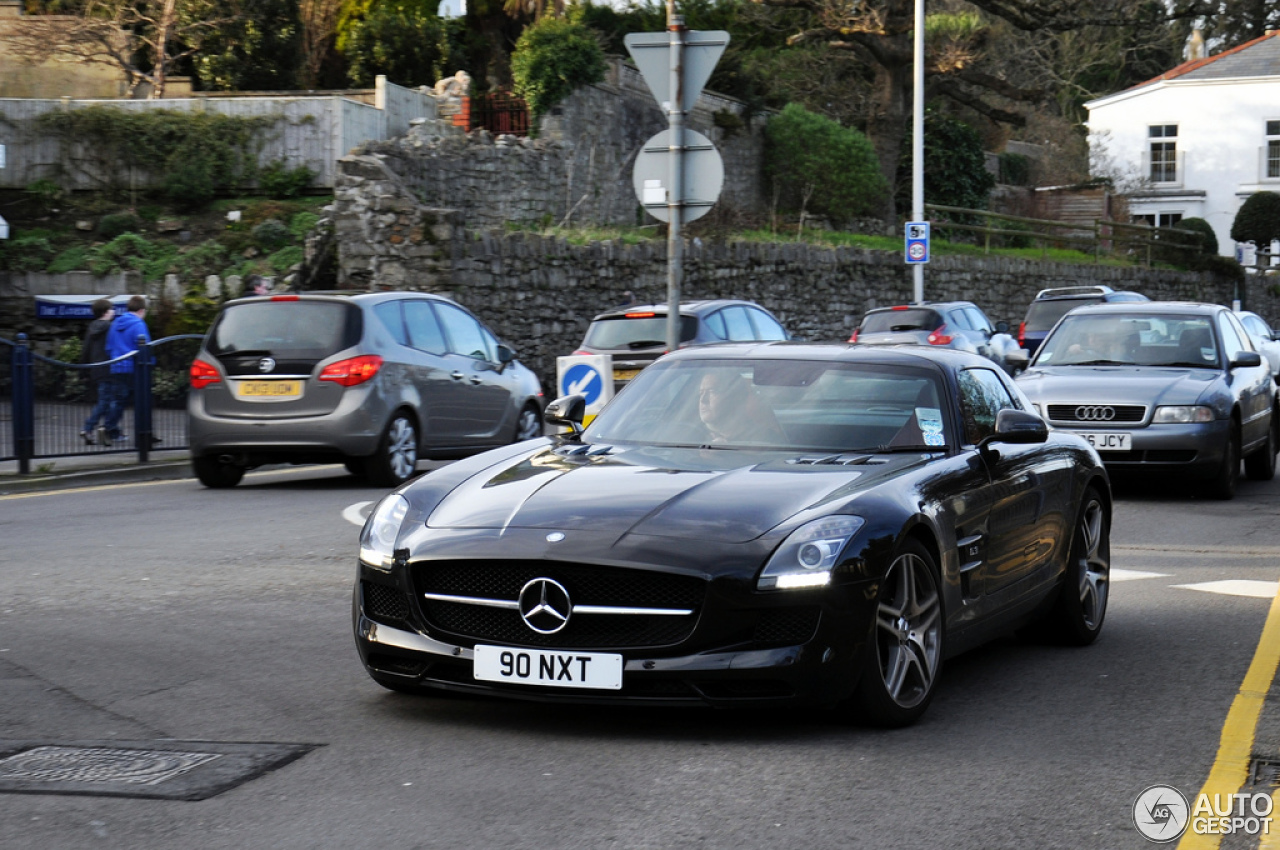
x=172, y=770
x=1264, y=772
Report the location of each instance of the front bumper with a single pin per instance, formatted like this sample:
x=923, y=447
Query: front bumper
x=1194, y=449
x=716, y=664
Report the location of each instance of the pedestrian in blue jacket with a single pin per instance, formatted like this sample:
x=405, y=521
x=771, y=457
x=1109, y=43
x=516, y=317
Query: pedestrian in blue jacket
x=122, y=339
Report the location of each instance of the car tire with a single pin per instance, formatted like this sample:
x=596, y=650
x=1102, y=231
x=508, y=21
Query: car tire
x=1223, y=484
x=396, y=460
x=1261, y=464
x=904, y=655
x=355, y=466
x=528, y=423
x=216, y=475
x=1077, y=615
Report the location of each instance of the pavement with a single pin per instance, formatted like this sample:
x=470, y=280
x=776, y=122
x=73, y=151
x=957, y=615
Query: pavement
x=60, y=473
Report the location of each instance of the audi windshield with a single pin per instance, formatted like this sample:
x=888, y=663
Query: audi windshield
x=1117, y=339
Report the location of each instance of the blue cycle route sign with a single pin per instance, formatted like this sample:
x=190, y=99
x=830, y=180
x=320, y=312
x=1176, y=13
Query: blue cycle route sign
x=582, y=379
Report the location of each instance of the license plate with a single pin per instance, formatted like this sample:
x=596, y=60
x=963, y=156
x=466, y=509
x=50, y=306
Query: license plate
x=270, y=389
x=625, y=374
x=551, y=668
x=1108, y=441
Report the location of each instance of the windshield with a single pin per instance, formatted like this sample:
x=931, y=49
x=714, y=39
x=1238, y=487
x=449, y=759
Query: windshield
x=1119, y=340
x=305, y=329
x=777, y=404
x=638, y=331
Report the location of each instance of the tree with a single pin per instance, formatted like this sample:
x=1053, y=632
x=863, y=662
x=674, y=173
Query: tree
x=319, y=21
x=403, y=39
x=816, y=164
x=258, y=51
x=553, y=57
x=955, y=168
x=1228, y=23
x=1258, y=220
x=145, y=39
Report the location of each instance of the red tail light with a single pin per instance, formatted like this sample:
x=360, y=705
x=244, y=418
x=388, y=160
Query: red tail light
x=854, y=338
x=351, y=372
x=1022, y=335
x=582, y=351
x=939, y=337
x=284, y=298
x=203, y=374
x=640, y=315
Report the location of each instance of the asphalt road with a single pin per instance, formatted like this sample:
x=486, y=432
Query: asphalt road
x=160, y=610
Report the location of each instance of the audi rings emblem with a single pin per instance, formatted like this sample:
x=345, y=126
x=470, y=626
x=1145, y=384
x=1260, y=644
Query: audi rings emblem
x=266, y=364
x=1095, y=413
x=545, y=606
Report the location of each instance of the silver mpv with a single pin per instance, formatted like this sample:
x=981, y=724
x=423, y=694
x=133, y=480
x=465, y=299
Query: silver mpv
x=370, y=380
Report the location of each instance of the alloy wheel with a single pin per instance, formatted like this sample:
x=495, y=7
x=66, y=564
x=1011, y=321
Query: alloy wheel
x=908, y=631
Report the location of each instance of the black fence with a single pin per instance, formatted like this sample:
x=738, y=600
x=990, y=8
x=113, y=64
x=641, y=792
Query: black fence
x=44, y=402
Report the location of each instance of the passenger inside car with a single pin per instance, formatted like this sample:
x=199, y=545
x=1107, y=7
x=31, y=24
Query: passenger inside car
x=733, y=413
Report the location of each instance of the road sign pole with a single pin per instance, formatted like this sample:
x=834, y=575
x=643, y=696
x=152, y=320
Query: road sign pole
x=917, y=145
x=675, y=191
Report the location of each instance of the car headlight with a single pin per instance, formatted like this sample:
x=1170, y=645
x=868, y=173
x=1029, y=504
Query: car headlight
x=1182, y=414
x=378, y=538
x=807, y=556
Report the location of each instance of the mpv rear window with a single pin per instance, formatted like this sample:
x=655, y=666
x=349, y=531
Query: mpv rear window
x=298, y=329
x=1042, y=315
x=900, y=320
x=637, y=332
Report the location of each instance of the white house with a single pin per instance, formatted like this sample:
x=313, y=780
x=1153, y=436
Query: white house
x=1197, y=140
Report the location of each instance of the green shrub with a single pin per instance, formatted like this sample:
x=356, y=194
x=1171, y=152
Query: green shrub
x=26, y=254
x=285, y=259
x=1258, y=219
x=111, y=226
x=1203, y=229
x=955, y=166
x=131, y=252
x=405, y=40
x=201, y=260
x=279, y=181
x=553, y=57
x=300, y=225
x=272, y=234
x=72, y=259
x=47, y=193
x=820, y=166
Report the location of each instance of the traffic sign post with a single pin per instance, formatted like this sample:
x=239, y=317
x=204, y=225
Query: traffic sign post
x=587, y=375
x=917, y=248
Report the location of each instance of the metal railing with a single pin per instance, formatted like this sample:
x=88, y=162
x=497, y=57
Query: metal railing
x=1137, y=241
x=44, y=402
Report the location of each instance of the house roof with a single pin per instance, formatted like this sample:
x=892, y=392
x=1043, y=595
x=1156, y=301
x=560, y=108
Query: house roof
x=1257, y=58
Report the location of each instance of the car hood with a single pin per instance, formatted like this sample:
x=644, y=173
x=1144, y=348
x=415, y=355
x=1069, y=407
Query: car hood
x=711, y=495
x=1149, y=385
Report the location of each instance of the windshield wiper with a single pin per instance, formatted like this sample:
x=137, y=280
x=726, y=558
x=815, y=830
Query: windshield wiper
x=248, y=352
x=1098, y=363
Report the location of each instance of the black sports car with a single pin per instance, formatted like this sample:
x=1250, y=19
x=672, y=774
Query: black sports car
x=744, y=524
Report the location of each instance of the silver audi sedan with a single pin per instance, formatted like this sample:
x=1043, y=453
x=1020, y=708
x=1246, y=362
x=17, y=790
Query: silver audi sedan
x=1161, y=387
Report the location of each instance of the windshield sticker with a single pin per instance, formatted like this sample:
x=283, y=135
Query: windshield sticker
x=930, y=420
x=934, y=440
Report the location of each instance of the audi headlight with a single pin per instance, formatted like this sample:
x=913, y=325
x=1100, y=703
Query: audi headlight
x=1181, y=415
x=378, y=538
x=807, y=556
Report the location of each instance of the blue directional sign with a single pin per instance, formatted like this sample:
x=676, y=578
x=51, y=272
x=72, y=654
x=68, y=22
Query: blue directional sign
x=583, y=379
x=917, y=250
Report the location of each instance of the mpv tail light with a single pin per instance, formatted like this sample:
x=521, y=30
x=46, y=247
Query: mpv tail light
x=1022, y=335
x=353, y=371
x=854, y=338
x=939, y=337
x=203, y=374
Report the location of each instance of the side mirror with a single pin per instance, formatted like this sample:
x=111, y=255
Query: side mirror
x=568, y=411
x=1017, y=427
x=1245, y=359
x=505, y=353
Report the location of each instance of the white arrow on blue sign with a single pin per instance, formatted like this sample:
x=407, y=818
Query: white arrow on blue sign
x=585, y=380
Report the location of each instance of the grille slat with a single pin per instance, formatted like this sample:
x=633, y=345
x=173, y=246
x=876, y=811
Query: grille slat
x=586, y=584
x=1124, y=413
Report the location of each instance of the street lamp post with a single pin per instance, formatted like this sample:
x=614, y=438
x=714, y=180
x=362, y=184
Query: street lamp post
x=917, y=145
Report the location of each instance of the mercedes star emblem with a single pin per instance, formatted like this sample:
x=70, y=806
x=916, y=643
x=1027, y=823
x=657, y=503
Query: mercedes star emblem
x=545, y=606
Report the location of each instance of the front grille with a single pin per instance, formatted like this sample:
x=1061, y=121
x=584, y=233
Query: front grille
x=1124, y=413
x=384, y=604
x=586, y=584
x=786, y=626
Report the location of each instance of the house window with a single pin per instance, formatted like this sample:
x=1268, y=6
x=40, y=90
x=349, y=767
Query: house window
x=1273, y=150
x=1164, y=219
x=1164, y=152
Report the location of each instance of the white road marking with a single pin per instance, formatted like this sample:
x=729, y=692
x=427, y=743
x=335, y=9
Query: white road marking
x=1133, y=575
x=1236, y=587
x=356, y=514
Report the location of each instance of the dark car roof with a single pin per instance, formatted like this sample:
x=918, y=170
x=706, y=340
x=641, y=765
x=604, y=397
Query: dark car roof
x=687, y=308
x=927, y=304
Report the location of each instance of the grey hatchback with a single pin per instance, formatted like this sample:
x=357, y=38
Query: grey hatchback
x=369, y=380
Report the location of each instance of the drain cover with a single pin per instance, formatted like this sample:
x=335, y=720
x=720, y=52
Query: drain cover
x=171, y=770
x=1265, y=772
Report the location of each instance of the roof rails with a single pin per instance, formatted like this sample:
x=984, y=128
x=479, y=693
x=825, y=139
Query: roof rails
x=1100, y=289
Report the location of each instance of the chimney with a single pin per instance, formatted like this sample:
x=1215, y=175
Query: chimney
x=1195, y=45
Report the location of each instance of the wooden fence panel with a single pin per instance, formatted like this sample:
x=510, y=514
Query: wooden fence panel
x=401, y=105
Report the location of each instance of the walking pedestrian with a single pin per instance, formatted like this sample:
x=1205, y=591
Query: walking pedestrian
x=94, y=352
x=122, y=339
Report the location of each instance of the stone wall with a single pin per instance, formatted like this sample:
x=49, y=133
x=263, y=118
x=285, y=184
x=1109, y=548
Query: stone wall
x=579, y=169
